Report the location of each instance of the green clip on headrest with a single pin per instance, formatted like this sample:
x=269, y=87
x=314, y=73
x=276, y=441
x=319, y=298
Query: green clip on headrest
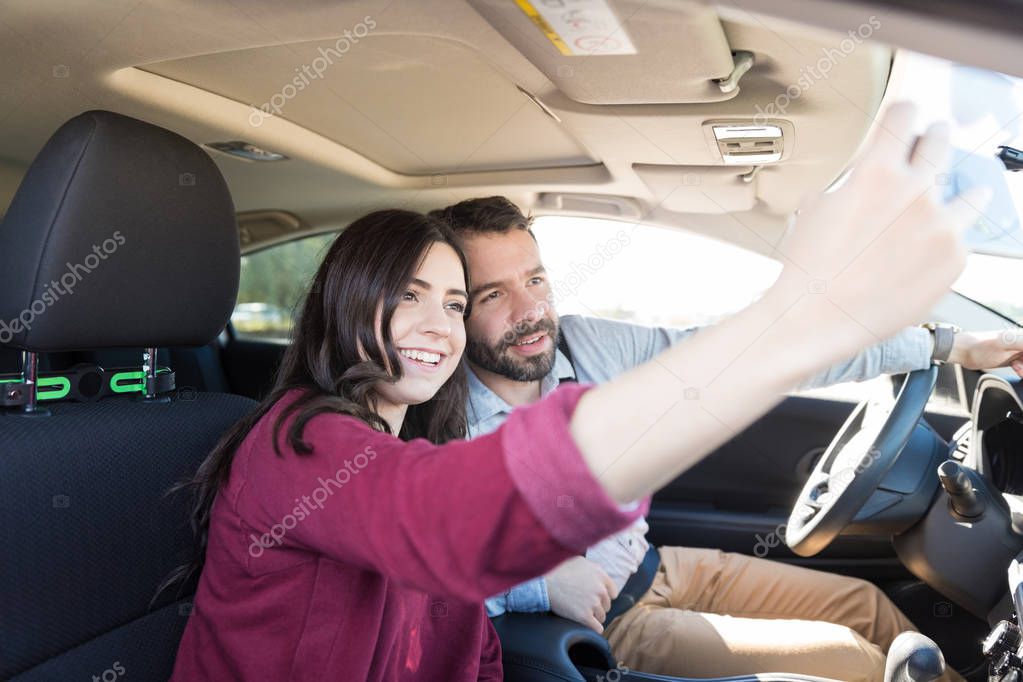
x=82, y=383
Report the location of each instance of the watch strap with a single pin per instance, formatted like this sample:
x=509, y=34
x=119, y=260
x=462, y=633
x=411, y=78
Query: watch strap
x=943, y=340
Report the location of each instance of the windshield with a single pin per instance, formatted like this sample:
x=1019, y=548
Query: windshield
x=994, y=281
x=986, y=112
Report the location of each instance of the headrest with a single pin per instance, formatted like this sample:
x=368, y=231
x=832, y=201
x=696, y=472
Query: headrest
x=122, y=234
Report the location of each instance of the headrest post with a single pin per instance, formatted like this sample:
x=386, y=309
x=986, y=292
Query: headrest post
x=30, y=376
x=149, y=373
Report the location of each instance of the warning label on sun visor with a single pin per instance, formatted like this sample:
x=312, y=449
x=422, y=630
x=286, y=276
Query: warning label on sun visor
x=579, y=28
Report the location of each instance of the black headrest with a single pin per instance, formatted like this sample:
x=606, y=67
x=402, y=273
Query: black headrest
x=121, y=234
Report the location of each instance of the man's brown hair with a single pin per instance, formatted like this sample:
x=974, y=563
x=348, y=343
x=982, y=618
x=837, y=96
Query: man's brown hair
x=483, y=215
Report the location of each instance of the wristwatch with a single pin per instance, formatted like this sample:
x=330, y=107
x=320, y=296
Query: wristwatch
x=943, y=335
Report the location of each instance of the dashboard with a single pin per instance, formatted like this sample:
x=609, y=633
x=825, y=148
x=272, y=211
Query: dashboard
x=997, y=436
x=967, y=538
x=992, y=444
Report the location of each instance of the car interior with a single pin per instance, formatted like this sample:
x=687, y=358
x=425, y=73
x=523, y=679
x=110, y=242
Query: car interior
x=148, y=148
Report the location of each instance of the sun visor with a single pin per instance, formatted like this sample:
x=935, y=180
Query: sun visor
x=623, y=51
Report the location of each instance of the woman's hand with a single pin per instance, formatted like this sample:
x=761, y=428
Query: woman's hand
x=860, y=263
x=885, y=246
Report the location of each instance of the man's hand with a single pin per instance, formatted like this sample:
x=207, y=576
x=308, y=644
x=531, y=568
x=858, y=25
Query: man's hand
x=987, y=350
x=580, y=590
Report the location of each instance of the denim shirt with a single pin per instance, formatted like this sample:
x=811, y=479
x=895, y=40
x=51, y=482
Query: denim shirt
x=602, y=349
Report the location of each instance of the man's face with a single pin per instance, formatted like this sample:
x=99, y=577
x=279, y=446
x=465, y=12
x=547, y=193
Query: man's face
x=512, y=329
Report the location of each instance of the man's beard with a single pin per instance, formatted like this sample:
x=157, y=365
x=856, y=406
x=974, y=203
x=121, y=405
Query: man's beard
x=496, y=358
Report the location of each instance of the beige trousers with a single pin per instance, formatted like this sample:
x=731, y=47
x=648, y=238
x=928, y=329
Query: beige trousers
x=713, y=614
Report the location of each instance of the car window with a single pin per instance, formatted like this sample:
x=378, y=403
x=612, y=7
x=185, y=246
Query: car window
x=661, y=277
x=646, y=274
x=990, y=280
x=985, y=112
x=272, y=284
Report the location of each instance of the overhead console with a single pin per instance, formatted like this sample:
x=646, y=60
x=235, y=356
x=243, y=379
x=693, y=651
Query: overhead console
x=625, y=51
x=742, y=146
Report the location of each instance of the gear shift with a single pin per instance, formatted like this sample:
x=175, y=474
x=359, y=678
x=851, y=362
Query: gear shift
x=913, y=658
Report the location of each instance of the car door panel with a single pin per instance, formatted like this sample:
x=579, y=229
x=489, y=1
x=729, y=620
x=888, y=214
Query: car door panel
x=250, y=364
x=738, y=498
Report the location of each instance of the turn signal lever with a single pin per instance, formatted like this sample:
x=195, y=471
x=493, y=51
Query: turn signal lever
x=913, y=658
x=957, y=482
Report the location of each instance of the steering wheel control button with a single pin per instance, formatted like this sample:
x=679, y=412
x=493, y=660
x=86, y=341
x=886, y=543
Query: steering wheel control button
x=963, y=498
x=804, y=513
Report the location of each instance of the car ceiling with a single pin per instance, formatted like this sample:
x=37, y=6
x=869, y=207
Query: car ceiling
x=444, y=99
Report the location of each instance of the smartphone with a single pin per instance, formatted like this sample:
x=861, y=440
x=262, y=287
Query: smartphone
x=997, y=230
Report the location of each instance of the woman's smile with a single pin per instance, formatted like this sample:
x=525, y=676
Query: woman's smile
x=423, y=359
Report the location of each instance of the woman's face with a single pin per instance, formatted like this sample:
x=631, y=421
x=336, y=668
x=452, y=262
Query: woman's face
x=427, y=328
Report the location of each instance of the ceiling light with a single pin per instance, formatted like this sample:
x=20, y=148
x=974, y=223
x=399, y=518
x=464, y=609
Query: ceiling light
x=246, y=150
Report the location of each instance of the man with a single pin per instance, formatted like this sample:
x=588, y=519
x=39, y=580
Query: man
x=705, y=613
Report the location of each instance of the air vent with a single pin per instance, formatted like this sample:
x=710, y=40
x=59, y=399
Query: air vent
x=749, y=144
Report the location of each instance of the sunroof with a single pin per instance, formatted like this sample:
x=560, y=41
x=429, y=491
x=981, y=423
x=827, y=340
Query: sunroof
x=413, y=104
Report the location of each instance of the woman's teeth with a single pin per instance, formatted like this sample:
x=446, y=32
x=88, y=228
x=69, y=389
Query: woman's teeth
x=421, y=356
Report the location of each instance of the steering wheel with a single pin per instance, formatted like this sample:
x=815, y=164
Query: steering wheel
x=850, y=470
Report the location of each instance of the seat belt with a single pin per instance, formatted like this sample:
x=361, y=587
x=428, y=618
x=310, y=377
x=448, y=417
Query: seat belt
x=640, y=581
x=636, y=586
x=567, y=352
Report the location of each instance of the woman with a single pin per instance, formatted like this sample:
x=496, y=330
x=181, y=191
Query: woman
x=349, y=535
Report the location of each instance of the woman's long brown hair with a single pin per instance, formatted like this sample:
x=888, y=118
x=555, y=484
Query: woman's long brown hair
x=335, y=359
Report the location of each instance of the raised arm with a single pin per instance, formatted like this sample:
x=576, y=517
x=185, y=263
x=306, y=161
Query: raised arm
x=471, y=519
x=862, y=262
x=464, y=520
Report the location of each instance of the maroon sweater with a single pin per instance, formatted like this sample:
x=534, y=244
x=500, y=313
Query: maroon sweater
x=370, y=558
